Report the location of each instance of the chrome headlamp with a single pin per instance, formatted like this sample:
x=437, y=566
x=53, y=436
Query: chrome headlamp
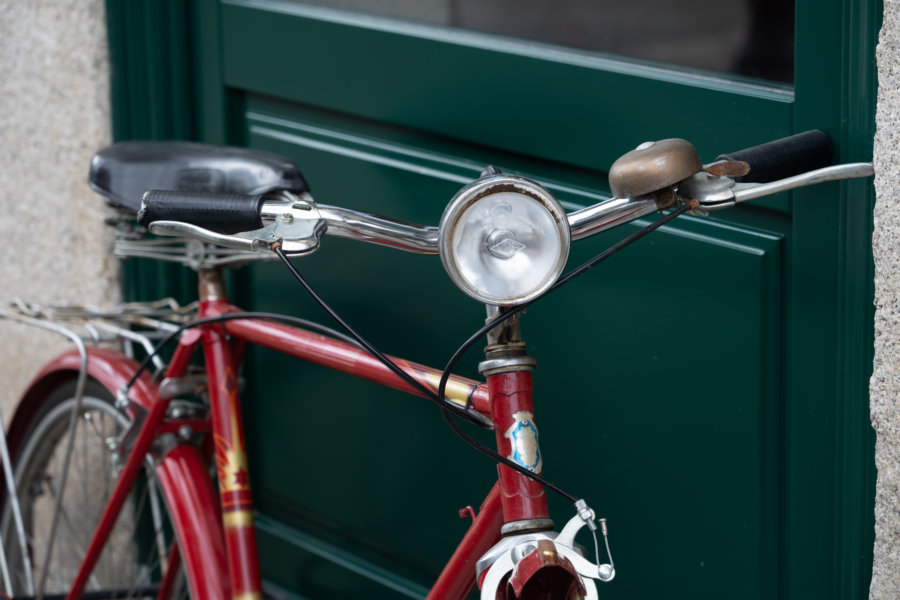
x=504, y=239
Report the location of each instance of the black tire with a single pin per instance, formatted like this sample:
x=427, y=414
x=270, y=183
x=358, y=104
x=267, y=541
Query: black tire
x=134, y=558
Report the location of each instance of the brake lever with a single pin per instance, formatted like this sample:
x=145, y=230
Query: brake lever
x=710, y=192
x=297, y=235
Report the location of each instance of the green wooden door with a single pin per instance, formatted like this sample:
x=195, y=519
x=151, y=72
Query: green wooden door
x=706, y=390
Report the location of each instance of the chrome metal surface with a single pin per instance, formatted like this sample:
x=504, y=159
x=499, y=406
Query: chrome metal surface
x=299, y=232
x=210, y=285
x=189, y=252
x=185, y=409
x=185, y=432
x=297, y=237
x=16, y=510
x=566, y=537
x=609, y=213
x=653, y=166
x=4, y=571
x=586, y=514
x=526, y=525
x=745, y=192
x=506, y=561
x=354, y=224
x=300, y=223
x=171, y=387
x=505, y=351
x=606, y=573
x=507, y=544
x=179, y=229
x=498, y=183
x=158, y=314
x=143, y=340
x=122, y=400
x=506, y=365
x=366, y=227
x=709, y=191
x=284, y=202
x=500, y=561
x=123, y=445
x=507, y=332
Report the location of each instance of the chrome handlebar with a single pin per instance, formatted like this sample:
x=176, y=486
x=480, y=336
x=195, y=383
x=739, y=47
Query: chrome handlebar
x=298, y=223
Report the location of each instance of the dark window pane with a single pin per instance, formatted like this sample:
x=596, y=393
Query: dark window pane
x=753, y=38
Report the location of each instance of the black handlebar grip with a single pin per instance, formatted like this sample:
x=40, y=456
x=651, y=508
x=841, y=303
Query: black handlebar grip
x=222, y=213
x=782, y=158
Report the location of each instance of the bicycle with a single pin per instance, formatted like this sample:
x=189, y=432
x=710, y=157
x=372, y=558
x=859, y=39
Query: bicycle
x=148, y=440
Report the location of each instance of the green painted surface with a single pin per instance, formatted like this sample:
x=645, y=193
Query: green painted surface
x=708, y=447
x=486, y=90
x=704, y=390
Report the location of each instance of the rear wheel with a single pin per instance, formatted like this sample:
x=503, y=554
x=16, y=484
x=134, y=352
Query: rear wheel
x=135, y=558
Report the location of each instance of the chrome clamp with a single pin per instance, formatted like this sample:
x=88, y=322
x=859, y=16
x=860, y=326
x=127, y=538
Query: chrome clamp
x=501, y=561
x=297, y=226
x=708, y=191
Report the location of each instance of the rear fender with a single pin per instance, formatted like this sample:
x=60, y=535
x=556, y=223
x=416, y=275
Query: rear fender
x=110, y=368
x=183, y=472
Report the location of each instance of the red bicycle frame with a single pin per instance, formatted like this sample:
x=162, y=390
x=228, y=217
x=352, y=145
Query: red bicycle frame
x=219, y=527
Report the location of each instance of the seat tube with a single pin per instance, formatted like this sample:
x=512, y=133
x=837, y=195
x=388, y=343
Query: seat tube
x=231, y=457
x=508, y=368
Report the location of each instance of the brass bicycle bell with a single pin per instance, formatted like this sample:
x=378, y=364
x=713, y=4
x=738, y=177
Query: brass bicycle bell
x=653, y=167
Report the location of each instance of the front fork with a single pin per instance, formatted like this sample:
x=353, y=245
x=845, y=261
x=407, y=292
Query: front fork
x=531, y=559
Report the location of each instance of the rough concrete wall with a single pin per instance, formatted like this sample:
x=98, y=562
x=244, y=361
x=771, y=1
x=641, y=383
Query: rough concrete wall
x=885, y=383
x=54, y=112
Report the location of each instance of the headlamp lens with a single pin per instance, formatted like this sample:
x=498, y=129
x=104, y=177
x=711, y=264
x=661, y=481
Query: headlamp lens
x=505, y=247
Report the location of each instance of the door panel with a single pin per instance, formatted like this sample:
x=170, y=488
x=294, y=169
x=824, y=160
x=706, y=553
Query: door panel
x=658, y=384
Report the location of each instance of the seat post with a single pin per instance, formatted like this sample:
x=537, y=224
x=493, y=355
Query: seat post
x=210, y=285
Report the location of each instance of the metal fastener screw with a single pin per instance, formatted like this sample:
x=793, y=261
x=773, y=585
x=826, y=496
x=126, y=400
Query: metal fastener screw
x=286, y=217
x=185, y=432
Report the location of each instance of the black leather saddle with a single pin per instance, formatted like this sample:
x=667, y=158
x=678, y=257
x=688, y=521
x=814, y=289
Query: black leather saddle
x=123, y=172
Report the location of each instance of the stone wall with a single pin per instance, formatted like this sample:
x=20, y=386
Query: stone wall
x=54, y=112
x=885, y=383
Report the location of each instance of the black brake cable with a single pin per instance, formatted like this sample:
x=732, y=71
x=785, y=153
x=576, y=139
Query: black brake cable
x=510, y=313
x=440, y=399
x=427, y=392
x=446, y=407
